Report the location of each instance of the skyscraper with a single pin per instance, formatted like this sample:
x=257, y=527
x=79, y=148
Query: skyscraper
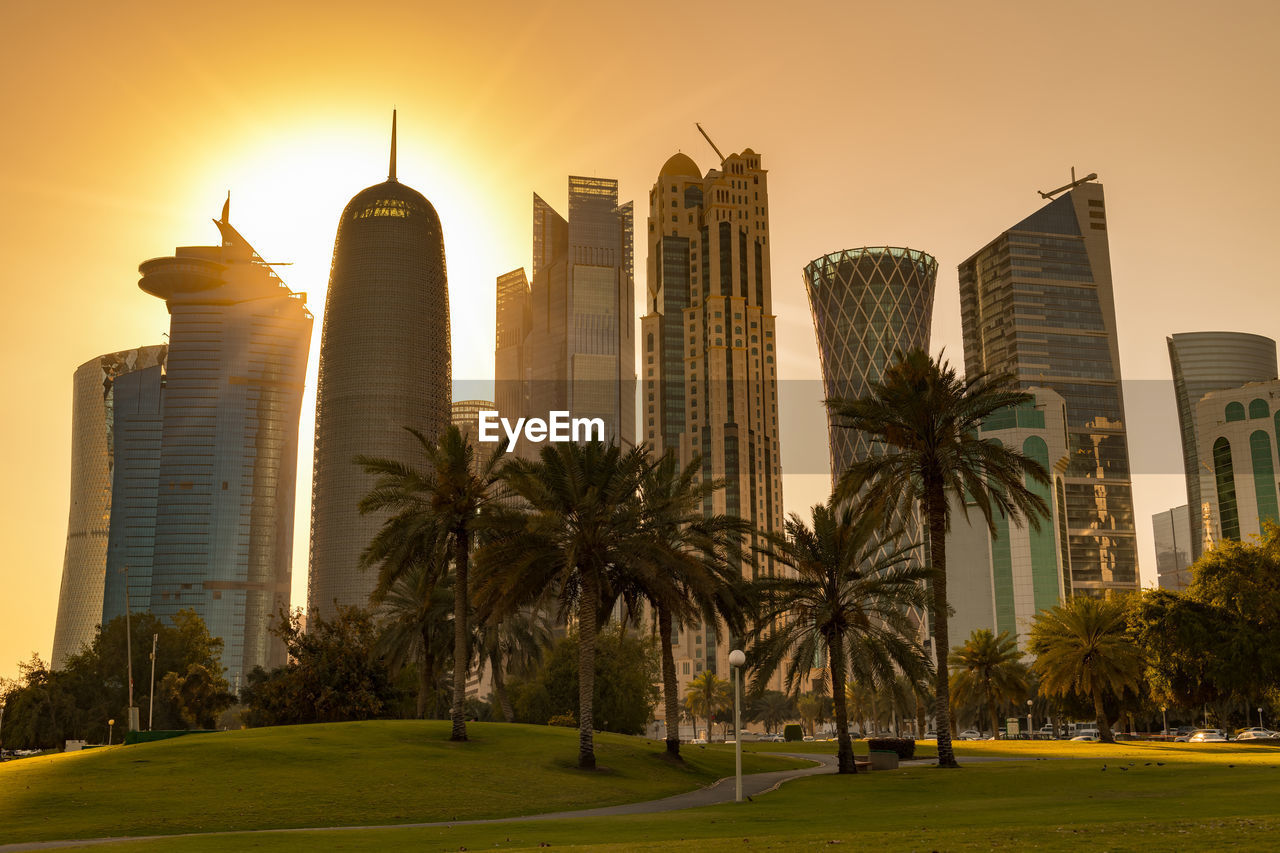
x=1037, y=302
x=227, y=463
x=1204, y=362
x=709, y=387
x=1238, y=431
x=566, y=338
x=999, y=582
x=868, y=305
x=93, y=456
x=384, y=365
x=1172, y=529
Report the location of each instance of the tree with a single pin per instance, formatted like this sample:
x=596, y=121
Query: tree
x=334, y=673
x=573, y=534
x=434, y=515
x=514, y=643
x=702, y=554
x=1082, y=646
x=850, y=587
x=988, y=669
x=416, y=622
x=925, y=422
x=199, y=695
x=707, y=695
x=771, y=708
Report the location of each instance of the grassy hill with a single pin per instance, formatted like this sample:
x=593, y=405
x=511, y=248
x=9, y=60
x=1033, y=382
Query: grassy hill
x=392, y=771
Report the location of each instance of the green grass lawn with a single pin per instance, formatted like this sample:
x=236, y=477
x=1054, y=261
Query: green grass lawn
x=1168, y=797
x=345, y=773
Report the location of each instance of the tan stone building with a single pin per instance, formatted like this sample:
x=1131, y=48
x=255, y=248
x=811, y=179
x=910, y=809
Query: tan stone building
x=708, y=349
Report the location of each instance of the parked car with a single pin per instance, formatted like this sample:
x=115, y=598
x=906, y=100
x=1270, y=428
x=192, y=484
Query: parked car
x=1255, y=733
x=970, y=734
x=1088, y=736
x=1207, y=736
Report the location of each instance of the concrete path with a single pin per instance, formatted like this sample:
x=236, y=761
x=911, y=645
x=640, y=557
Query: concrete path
x=753, y=785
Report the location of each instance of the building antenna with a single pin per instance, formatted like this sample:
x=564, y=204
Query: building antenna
x=709, y=142
x=391, y=172
x=1092, y=176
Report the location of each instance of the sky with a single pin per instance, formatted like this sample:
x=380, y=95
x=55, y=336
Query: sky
x=920, y=124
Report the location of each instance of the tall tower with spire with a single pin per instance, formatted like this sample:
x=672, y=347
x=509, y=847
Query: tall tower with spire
x=384, y=365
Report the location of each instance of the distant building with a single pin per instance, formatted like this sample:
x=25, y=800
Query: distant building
x=1173, y=537
x=869, y=305
x=566, y=336
x=384, y=365
x=710, y=384
x=93, y=459
x=1037, y=302
x=1000, y=582
x=222, y=541
x=466, y=417
x=1204, y=362
x=1237, y=431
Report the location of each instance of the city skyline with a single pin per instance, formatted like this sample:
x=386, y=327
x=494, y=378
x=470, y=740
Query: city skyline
x=133, y=190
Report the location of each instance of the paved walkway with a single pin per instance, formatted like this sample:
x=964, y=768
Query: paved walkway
x=753, y=785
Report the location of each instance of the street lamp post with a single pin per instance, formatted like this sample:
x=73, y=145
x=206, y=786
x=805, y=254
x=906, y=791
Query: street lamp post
x=1164, y=721
x=128, y=650
x=111, y=725
x=1259, y=716
x=736, y=659
x=1031, y=732
x=151, y=701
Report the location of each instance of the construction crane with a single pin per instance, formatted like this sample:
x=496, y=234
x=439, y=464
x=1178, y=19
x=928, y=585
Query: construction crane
x=709, y=142
x=1092, y=176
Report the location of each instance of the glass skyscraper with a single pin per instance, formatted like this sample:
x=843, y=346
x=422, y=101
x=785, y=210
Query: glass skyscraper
x=566, y=337
x=384, y=365
x=226, y=466
x=95, y=440
x=709, y=386
x=868, y=305
x=1204, y=362
x=1037, y=302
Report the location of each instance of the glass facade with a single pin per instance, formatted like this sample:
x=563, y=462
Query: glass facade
x=228, y=446
x=868, y=306
x=384, y=364
x=1037, y=302
x=95, y=451
x=1172, y=529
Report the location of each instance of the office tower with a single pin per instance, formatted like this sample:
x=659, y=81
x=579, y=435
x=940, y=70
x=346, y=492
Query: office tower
x=93, y=456
x=384, y=365
x=566, y=338
x=139, y=439
x=228, y=447
x=1036, y=302
x=1238, y=430
x=1172, y=530
x=513, y=320
x=1204, y=362
x=465, y=415
x=869, y=305
x=709, y=382
x=1000, y=582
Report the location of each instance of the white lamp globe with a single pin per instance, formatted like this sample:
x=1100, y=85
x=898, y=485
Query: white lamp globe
x=737, y=657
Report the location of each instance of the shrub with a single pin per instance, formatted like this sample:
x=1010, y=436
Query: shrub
x=568, y=720
x=904, y=747
x=793, y=731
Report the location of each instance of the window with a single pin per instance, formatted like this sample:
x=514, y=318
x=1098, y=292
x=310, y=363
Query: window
x=1257, y=409
x=1235, y=412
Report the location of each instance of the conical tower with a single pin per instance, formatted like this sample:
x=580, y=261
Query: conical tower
x=384, y=365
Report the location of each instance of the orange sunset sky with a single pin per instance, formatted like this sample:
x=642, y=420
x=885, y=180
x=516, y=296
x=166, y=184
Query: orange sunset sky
x=920, y=124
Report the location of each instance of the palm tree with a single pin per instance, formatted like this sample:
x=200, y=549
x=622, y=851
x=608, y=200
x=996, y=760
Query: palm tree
x=573, y=535
x=988, y=672
x=701, y=554
x=848, y=598
x=923, y=421
x=434, y=515
x=708, y=695
x=416, y=616
x=1081, y=647
x=514, y=643
x=772, y=708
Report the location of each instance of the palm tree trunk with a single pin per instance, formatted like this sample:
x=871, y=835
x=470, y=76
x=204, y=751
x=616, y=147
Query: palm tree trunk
x=588, y=596
x=500, y=689
x=936, y=513
x=670, y=686
x=461, y=636
x=1104, y=727
x=426, y=674
x=844, y=751
x=995, y=717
